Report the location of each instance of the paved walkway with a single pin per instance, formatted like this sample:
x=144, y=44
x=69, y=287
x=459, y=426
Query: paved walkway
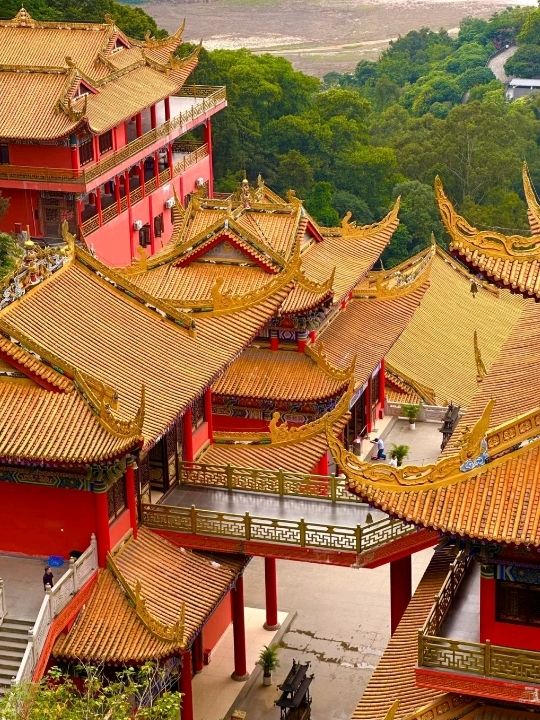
x=496, y=64
x=23, y=585
x=273, y=506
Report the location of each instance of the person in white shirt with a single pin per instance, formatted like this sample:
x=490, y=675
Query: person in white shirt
x=381, y=455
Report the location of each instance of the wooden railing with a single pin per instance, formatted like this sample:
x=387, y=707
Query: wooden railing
x=272, y=482
x=54, y=602
x=299, y=533
x=464, y=656
x=209, y=98
x=198, y=153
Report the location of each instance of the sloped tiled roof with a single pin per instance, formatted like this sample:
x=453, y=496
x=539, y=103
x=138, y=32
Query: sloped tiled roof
x=174, y=583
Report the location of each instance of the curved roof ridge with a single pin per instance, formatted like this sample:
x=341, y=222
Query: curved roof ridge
x=531, y=198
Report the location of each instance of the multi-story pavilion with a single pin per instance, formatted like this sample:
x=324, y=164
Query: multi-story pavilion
x=91, y=131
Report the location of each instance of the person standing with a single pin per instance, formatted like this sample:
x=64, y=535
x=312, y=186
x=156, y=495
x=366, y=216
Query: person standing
x=381, y=455
x=47, y=578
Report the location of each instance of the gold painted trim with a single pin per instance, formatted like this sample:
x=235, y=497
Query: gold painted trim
x=352, y=230
x=398, y=281
x=533, y=206
x=426, y=393
x=318, y=355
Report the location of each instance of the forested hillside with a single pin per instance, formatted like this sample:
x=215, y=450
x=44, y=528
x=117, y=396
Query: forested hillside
x=428, y=106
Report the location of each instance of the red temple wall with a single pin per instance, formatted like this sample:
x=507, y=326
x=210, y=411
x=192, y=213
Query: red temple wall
x=22, y=207
x=51, y=156
x=119, y=528
x=188, y=178
x=227, y=423
x=36, y=520
x=200, y=438
x=526, y=637
x=218, y=623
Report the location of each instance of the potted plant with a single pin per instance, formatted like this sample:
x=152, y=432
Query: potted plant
x=269, y=661
x=399, y=453
x=411, y=413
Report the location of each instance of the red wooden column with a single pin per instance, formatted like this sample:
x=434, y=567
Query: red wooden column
x=187, y=440
x=101, y=510
x=198, y=655
x=367, y=407
x=270, y=589
x=79, y=211
x=167, y=103
x=140, y=168
x=185, y=686
x=75, y=161
x=323, y=466
x=98, y=205
x=239, y=632
x=153, y=116
x=127, y=188
x=131, y=496
x=117, y=196
x=400, y=589
x=138, y=124
x=208, y=413
x=382, y=387
x=208, y=141
x=170, y=160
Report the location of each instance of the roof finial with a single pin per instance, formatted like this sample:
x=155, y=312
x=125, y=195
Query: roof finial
x=23, y=17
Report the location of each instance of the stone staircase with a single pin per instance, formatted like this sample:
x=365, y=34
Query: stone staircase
x=13, y=642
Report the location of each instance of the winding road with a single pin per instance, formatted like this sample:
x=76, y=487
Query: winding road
x=496, y=64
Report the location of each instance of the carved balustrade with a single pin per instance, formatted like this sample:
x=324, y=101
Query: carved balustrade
x=299, y=533
x=55, y=600
x=464, y=656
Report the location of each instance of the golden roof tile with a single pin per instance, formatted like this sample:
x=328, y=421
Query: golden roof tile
x=172, y=581
x=280, y=375
x=394, y=677
x=426, y=350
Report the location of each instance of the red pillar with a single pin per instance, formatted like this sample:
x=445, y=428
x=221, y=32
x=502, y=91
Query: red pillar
x=79, y=211
x=367, y=407
x=141, y=176
x=117, y=193
x=270, y=589
x=400, y=589
x=101, y=509
x=208, y=141
x=98, y=205
x=208, y=413
x=313, y=336
x=167, y=108
x=187, y=440
x=131, y=496
x=382, y=387
x=152, y=230
x=323, y=465
x=138, y=124
x=301, y=341
x=239, y=632
x=127, y=188
x=170, y=160
x=75, y=163
x=185, y=686
x=198, y=655
x=156, y=165
x=153, y=116
x=274, y=340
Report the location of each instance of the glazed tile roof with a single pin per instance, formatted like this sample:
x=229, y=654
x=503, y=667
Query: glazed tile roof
x=37, y=426
x=300, y=456
x=174, y=583
x=43, y=63
x=394, y=677
x=426, y=351
x=91, y=325
x=367, y=329
x=512, y=261
x=282, y=374
x=397, y=390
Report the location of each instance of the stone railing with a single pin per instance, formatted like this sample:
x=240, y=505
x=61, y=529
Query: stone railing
x=299, y=533
x=208, y=98
x=427, y=413
x=464, y=656
x=272, y=482
x=55, y=600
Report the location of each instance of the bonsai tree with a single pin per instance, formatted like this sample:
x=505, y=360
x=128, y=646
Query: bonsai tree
x=410, y=412
x=269, y=661
x=399, y=453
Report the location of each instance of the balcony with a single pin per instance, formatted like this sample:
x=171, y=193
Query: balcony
x=184, y=156
x=289, y=515
x=192, y=105
x=466, y=665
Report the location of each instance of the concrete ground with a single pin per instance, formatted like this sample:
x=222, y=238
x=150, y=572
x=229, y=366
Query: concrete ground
x=342, y=627
x=23, y=584
x=424, y=441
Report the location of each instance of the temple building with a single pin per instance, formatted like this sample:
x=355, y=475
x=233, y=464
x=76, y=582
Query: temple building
x=92, y=131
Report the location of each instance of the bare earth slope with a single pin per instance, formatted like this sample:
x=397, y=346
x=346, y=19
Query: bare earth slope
x=316, y=35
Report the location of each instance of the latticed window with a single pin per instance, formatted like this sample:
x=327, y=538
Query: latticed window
x=518, y=603
x=106, y=142
x=86, y=151
x=198, y=413
x=117, y=498
x=158, y=225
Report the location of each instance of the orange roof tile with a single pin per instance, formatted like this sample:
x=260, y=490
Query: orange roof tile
x=174, y=583
x=90, y=324
x=426, y=350
x=284, y=375
x=394, y=677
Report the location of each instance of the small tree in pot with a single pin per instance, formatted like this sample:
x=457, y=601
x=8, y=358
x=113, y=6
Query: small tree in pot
x=411, y=413
x=399, y=453
x=269, y=661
